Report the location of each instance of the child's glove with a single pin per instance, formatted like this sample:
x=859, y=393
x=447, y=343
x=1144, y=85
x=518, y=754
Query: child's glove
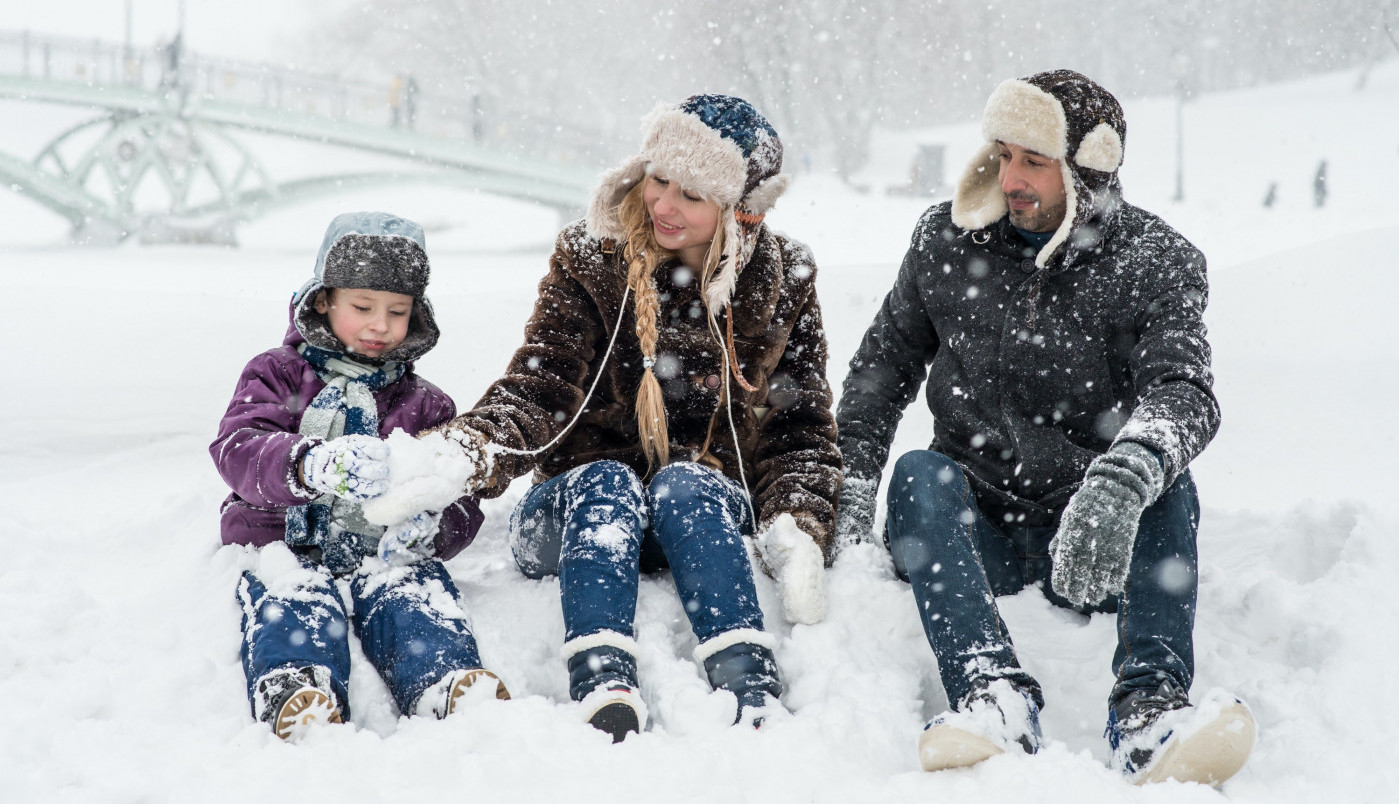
x=352, y=467
x=792, y=558
x=411, y=539
x=1092, y=551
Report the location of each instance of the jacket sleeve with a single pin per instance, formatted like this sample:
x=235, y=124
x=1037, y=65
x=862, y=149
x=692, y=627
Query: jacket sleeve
x=258, y=447
x=797, y=460
x=885, y=374
x=1177, y=413
x=544, y=384
x=462, y=519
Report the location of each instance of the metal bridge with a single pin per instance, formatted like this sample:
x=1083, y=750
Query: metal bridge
x=162, y=160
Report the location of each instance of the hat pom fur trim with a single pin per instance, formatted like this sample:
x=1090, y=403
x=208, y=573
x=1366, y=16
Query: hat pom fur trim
x=1100, y=150
x=765, y=195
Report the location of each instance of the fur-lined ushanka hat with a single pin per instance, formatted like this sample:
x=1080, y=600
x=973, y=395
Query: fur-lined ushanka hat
x=718, y=147
x=1063, y=115
x=370, y=251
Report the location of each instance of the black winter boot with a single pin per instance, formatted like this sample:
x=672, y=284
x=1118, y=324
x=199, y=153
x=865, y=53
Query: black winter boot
x=749, y=671
x=602, y=678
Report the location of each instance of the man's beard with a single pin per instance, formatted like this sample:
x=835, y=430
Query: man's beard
x=1040, y=219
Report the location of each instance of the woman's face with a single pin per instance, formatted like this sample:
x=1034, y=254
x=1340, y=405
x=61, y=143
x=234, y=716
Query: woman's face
x=684, y=222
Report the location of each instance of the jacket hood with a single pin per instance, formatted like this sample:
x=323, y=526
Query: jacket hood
x=371, y=251
x=1065, y=116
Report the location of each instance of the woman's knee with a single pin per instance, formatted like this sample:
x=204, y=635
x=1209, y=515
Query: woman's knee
x=613, y=480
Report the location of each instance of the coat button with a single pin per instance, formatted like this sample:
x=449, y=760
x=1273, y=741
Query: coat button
x=1028, y=266
x=712, y=381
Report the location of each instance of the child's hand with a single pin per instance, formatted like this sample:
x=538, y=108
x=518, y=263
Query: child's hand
x=353, y=467
x=427, y=474
x=411, y=539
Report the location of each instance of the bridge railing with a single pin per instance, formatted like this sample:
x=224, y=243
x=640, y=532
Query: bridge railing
x=185, y=77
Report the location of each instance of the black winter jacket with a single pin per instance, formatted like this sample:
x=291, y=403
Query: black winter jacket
x=1033, y=373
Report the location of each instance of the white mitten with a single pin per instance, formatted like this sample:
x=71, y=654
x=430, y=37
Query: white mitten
x=407, y=541
x=428, y=474
x=796, y=563
x=354, y=467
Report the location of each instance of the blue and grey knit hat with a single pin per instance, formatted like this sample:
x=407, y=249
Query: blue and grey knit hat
x=718, y=147
x=370, y=251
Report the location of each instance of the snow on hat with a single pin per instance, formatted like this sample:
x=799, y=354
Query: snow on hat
x=717, y=146
x=1063, y=115
x=370, y=251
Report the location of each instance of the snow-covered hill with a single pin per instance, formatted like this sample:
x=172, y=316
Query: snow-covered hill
x=119, y=678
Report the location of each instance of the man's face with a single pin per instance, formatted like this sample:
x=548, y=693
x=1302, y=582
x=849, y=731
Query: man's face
x=1034, y=188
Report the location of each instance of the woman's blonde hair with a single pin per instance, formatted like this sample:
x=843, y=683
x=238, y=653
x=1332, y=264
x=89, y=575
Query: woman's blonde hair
x=643, y=256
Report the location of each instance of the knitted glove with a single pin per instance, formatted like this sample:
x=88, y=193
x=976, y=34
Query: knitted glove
x=411, y=539
x=855, y=511
x=1093, y=548
x=354, y=467
x=429, y=473
x=792, y=558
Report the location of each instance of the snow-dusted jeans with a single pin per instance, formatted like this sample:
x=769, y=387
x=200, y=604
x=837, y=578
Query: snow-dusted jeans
x=597, y=528
x=958, y=562
x=409, y=621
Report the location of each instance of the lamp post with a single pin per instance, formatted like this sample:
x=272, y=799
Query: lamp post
x=1180, y=68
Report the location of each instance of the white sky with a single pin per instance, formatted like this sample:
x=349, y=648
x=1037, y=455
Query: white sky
x=242, y=29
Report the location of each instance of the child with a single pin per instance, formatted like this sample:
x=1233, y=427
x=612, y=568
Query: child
x=300, y=446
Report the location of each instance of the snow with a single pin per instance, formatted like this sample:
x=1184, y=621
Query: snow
x=119, y=673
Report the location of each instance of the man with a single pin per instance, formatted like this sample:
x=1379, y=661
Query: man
x=1059, y=331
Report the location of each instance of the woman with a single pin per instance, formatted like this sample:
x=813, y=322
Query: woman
x=674, y=364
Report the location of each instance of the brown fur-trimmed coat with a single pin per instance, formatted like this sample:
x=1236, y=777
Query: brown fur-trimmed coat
x=786, y=431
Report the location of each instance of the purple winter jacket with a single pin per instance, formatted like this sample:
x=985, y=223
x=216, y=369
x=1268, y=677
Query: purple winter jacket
x=258, y=447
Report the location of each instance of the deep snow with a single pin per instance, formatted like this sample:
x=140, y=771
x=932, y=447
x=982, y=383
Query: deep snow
x=119, y=678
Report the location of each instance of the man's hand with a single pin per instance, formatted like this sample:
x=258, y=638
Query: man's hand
x=855, y=511
x=792, y=558
x=1092, y=551
x=352, y=467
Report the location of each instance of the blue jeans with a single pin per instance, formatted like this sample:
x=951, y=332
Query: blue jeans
x=398, y=616
x=958, y=562
x=598, y=529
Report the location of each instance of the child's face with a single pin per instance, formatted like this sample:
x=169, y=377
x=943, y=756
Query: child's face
x=368, y=322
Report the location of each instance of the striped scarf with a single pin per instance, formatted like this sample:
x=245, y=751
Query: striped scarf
x=345, y=406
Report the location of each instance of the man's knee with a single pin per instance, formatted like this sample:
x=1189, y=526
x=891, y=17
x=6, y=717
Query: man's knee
x=924, y=475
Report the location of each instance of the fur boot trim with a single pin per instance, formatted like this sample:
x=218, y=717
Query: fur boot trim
x=601, y=639
x=728, y=639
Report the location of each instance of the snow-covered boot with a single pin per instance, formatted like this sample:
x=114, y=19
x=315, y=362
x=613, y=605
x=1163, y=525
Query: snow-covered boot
x=1157, y=735
x=602, y=678
x=741, y=662
x=292, y=699
x=444, y=697
x=995, y=717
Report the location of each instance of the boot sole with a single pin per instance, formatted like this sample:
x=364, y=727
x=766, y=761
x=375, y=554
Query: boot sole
x=617, y=719
x=306, y=707
x=1211, y=755
x=472, y=678
x=946, y=747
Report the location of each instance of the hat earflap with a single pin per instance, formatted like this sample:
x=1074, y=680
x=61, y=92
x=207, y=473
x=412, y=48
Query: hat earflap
x=601, y=219
x=978, y=201
x=1100, y=150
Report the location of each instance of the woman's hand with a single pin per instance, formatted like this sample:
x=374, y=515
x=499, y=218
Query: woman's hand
x=792, y=558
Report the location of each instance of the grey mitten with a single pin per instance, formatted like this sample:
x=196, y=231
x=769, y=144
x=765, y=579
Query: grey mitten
x=855, y=511
x=1093, y=548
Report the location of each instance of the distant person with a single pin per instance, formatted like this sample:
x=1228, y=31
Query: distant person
x=301, y=448
x=1059, y=331
x=396, y=101
x=1271, y=197
x=410, y=101
x=670, y=398
x=1319, y=185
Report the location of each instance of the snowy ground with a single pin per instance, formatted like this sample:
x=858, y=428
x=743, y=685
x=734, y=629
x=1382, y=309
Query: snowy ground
x=119, y=678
